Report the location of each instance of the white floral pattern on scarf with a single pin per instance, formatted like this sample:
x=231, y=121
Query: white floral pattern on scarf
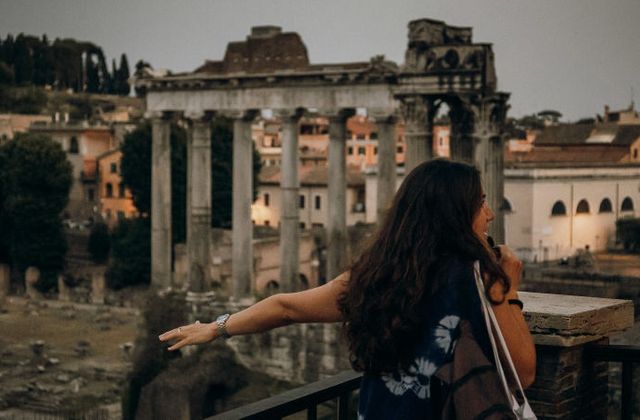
x=418, y=377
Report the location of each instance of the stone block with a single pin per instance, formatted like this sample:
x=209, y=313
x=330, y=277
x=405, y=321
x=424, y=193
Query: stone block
x=98, y=286
x=5, y=280
x=31, y=277
x=64, y=293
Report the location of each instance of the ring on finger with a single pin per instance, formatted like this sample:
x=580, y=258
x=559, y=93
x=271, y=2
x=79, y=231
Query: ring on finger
x=197, y=322
x=179, y=329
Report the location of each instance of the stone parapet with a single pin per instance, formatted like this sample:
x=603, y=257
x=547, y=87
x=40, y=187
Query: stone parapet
x=567, y=321
x=568, y=383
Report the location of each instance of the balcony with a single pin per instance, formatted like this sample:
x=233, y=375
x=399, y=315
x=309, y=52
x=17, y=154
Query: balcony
x=573, y=357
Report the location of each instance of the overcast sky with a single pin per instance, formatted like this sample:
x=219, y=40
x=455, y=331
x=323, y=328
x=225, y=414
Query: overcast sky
x=570, y=55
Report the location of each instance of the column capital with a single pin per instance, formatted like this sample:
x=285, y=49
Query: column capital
x=198, y=115
x=288, y=113
x=383, y=116
x=244, y=115
x=340, y=115
x=417, y=109
x=158, y=115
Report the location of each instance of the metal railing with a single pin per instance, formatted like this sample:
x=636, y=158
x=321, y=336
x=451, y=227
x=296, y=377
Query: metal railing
x=627, y=355
x=307, y=397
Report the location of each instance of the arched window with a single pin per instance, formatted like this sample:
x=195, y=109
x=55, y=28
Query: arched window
x=605, y=206
x=583, y=207
x=73, y=145
x=627, y=204
x=558, y=209
x=109, y=192
x=506, y=206
x=272, y=287
x=121, y=190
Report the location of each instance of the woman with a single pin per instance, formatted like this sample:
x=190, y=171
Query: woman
x=408, y=298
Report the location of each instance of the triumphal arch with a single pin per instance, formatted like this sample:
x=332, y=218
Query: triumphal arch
x=271, y=70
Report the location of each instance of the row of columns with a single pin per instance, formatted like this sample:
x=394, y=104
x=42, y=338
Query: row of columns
x=199, y=196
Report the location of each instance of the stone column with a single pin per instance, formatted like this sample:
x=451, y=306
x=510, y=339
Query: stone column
x=460, y=138
x=386, y=174
x=160, y=201
x=64, y=293
x=242, y=235
x=488, y=155
x=418, y=113
x=199, y=195
x=568, y=383
x=98, y=286
x=289, y=212
x=337, y=245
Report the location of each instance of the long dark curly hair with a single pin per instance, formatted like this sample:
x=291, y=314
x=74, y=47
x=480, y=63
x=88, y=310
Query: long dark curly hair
x=429, y=223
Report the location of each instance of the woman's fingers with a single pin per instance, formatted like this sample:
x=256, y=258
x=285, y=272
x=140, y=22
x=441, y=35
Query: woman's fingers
x=179, y=344
x=195, y=333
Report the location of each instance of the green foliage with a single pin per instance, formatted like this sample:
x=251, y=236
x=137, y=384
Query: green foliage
x=29, y=100
x=99, y=243
x=130, y=254
x=31, y=60
x=150, y=358
x=35, y=179
x=628, y=234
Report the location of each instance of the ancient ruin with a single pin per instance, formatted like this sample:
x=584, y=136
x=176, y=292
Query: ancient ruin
x=271, y=70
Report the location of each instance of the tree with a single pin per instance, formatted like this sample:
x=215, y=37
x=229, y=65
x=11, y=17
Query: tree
x=122, y=82
x=128, y=268
x=99, y=243
x=35, y=179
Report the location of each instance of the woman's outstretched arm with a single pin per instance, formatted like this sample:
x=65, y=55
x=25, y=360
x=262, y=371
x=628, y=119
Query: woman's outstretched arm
x=319, y=304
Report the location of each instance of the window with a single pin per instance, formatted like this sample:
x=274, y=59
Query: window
x=318, y=202
x=73, y=145
x=375, y=150
x=91, y=194
x=583, y=207
x=361, y=151
x=267, y=223
x=506, y=206
x=121, y=190
x=350, y=150
x=302, y=201
x=266, y=199
x=558, y=209
x=627, y=204
x=635, y=153
x=373, y=135
x=114, y=168
x=303, y=225
x=120, y=215
x=109, y=192
x=605, y=206
x=399, y=149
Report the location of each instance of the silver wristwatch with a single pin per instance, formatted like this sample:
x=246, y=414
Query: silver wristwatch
x=221, y=322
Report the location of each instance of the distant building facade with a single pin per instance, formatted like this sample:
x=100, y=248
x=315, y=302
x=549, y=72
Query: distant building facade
x=312, y=199
x=566, y=189
x=116, y=201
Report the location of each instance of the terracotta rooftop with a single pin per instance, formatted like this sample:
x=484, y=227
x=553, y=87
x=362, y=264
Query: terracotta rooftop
x=310, y=176
x=568, y=155
x=610, y=133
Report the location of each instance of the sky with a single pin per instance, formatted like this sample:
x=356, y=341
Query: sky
x=573, y=56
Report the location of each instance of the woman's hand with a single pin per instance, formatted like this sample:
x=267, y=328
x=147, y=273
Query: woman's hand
x=512, y=267
x=195, y=333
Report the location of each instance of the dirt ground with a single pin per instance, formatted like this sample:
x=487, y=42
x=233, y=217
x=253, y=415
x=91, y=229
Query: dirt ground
x=62, y=356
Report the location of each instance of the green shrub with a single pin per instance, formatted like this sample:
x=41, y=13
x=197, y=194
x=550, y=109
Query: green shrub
x=99, y=243
x=130, y=254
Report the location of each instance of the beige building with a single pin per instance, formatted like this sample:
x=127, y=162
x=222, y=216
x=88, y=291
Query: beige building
x=312, y=200
x=10, y=124
x=567, y=190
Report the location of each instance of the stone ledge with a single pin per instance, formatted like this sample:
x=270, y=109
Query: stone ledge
x=566, y=321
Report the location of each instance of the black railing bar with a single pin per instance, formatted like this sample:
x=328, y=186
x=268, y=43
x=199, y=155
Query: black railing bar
x=343, y=405
x=312, y=412
x=626, y=400
x=613, y=353
x=297, y=399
